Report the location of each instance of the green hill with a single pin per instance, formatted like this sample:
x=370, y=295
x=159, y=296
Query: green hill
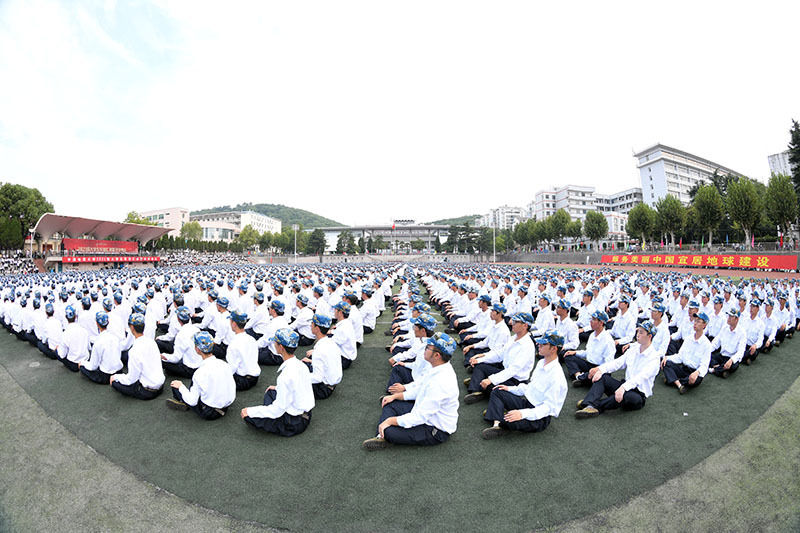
x=457, y=221
x=287, y=215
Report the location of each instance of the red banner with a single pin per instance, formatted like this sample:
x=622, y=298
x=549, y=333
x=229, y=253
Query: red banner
x=108, y=247
x=780, y=262
x=113, y=259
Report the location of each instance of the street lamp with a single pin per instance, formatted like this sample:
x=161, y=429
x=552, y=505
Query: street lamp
x=295, y=227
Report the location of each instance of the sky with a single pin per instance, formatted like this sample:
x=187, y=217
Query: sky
x=364, y=112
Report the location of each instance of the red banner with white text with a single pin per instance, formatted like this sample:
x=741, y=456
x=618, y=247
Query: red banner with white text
x=94, y=246
x=779, y=262
x=112, y=259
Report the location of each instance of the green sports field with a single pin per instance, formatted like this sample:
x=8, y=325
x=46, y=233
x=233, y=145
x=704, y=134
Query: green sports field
x=323, y=480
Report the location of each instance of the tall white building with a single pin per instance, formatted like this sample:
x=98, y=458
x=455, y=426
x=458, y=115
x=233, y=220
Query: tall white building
x=779, y=164
x=504, y=217
x=619, y=202
x=577, y=200
x=664, y=170
x=173, y=218
x=227, y=225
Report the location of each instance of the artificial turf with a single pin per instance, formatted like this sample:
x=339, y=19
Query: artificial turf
x=323, y=480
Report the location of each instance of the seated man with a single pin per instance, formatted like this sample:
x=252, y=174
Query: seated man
x=509, y=366
x=267, y=348
x=287, y=405
x=52, y=333
x=641, y=366
x=344, y=335
x=242, y=355
x=145, y=377
x=324, y=359
x=302, y=323
x=74, y=346
x=600, y=348
x=104, y=360
x=688, y=367
x=426, y=413
x=566, y=328
x=213, y=388
x=495, y=337
x=528, y=407
x=728, y=347
x=183, y=360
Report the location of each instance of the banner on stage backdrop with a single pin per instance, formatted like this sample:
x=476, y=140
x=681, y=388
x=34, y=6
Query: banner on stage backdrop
x=780, y=262
x=88, y=246
x=112, y=259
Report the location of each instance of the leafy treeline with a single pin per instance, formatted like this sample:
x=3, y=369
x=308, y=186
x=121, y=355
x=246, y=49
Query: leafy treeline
x=20, y=209
x=287, y=215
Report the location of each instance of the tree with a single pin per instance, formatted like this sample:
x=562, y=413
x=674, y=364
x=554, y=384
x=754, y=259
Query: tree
x=484, y=241
x=133, y=218
x=379, y=243
x=437, y=244
x=744, y=205
x=709, y=210
x=316, y=242
x=671, y=216
x=794, y=155
x=248, y=237
x=641, y=222
x=575, y=229
x=345, y=243
x=23, y=204
x=558, y=224
x=781, y=201
x=417, y=244
x=362, y=246
x=10, y=234
x=192, y=231
x=595, y=226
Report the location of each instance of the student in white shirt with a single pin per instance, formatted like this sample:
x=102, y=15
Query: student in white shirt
x=529, y=406
x=641, y=364
x=302, y=323
x=213, y=389
x=425, y=413
x=104, y=360
x=344, y=335
x=324, y=359
x=145, y=377
x=242, y=354
x=74, y=346
x=287, y=406
x=688, y=367
x=600, y=348
x=728, y=347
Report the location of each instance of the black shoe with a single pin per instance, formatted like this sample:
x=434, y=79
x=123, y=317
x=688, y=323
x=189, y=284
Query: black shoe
x=493, y=432
x=450, y=331
x=172, y=403
x=387, y=333
x=376, y=443
x=577, y=383
x=725, y=374
x=474, y=397
x=470, y=369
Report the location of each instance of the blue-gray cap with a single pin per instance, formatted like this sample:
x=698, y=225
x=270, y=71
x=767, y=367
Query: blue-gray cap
x=183, y=314
x=286, y=337
x=204, y=341
x=323, y=321
x=551, y=337
x=102, y=318
x=648, y=327
x=443, y=343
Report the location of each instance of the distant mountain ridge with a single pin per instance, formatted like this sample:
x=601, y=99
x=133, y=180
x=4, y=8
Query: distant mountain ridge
x=287, y=215
x=458, y=221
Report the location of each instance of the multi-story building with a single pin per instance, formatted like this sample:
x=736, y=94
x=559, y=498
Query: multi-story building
x=227, y=225
x=504, y=217
x=173, y=218
x=779, y=163
x=617, y=222
x=620, y=202
x=664, y=170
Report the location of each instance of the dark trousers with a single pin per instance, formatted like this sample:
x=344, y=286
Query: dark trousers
x=679, y=372
x=98, y=376
x=178, y=369
x=165, y=346
x=220, y=350
x=346, y=363
x=607, y=385
x=266, y=357
x=285, y=425
x=45, y=349
x=747, y=356
x=472, y=353
x=578, y=365
x=245, y=382
x=136, y=390
x=252, y=333
x=123, y=356
x=368, y=330
x=399, y=374
x=203, y=411
x=69, y=364
x=501, y=401
x=322, y=391
x=674, y=346
x=717, y=362
x=482, y=371
x=305, y=341
x=583, y=336
x=424, y=435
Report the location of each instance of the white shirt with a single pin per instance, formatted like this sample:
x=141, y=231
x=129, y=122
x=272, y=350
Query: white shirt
x=569, y=330
x=730, y=343
x=497, y=337
x=517, y=356
x=357, y=322
x=753, y=330
x=369, y=313
x=694, y=353
x=546, y=391
x=345, y=338
x=326, y=362
x=544, y=322
x=183, y=350
x=212, y=383
x=641, y=368
x=105, y=354
x=278, y=322
x=294, y=394
x=144, y=365
x=435, y=400
x=302, y=324
x=624, y=326
x=242, y=355
x=599, y=348
x=53, y=332
x=74, y=343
